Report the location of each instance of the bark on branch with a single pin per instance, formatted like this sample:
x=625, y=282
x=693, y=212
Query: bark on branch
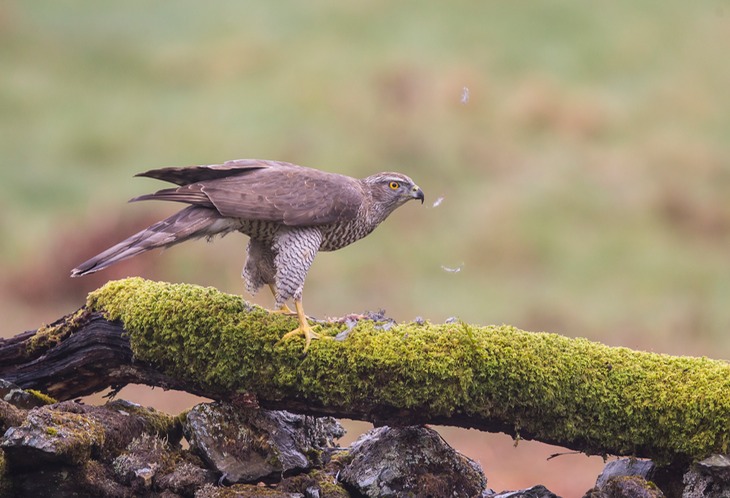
x=570, y=392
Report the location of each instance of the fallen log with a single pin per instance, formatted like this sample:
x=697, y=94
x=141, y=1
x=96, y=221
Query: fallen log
x=569, y=392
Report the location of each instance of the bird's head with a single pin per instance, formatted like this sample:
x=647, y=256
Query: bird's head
x=391, y=190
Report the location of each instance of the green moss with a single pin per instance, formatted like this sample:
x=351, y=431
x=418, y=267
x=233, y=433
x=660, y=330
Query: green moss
x=6, y=484
x=328, y=485
x=342, y=458
x=536, y=385
x=48, y=336
x=228, y=336
x=42, y=397
x=51, y=431
x=240, y=491
x=315, y=478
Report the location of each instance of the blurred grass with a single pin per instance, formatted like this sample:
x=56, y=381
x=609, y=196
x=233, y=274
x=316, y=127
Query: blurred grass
x=585, y=182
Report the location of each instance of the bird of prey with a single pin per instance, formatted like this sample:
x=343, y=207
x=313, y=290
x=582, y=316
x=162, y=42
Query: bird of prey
x=289, y=213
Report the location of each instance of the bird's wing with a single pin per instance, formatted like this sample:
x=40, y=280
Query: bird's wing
x=194, y=174
x=296, y=196
x=284, y=193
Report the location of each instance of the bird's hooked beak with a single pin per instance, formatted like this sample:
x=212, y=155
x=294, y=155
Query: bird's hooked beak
x=417, y=193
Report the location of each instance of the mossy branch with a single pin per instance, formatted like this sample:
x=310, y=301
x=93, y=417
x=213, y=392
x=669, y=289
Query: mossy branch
x=571, y=392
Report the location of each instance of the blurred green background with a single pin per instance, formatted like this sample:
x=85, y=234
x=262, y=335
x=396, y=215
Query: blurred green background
x=585, y=180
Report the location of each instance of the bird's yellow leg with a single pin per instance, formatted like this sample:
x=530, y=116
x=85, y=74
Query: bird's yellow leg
x=284, y=308
x=304, y=327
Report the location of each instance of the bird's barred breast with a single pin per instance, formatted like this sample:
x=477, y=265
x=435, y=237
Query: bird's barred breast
x=334, y=236
x=338, y=235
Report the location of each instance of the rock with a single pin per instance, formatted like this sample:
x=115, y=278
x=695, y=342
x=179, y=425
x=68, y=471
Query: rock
x=124, y=421
x=709, y=478
x=139, y=463
x=248, y=444
x=538, y=491
x=244, y=491
x=21, y=398
x=626, y=467
x=317, y=483
x=628, y=477
x=148, y=463
x=89, y=479
x=409, y=461
x=10, y=416
x=185, y=478
x=69, y=432
x=626, y=487
x=716, y=465
x=49, y=436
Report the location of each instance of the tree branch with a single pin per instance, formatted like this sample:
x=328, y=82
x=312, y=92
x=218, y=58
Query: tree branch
x=570, y=392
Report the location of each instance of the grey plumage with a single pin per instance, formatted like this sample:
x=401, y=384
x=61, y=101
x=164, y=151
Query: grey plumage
x=289, y=212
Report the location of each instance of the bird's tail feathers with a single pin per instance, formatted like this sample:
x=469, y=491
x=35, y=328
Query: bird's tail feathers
x=190, y=223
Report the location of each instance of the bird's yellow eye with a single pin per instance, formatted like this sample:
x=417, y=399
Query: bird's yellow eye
x=394, y=185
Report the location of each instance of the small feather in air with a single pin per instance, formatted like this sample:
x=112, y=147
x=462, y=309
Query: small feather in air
x=452, y=270
x=464, y=95
x=438, y=201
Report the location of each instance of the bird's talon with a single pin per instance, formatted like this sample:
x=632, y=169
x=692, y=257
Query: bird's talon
x=308, y=333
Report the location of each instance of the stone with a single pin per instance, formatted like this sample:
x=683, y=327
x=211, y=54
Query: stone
x=10, y=416
x=244, y=491
x=709, y=478
x=622, y=486
x=249, y=444
x=49, y=436
x=716, y=465
x=124, y=421
x=89, y=479
x=628, y=477
x=148, y=463
x=409, y=461
x=538, y=491
x=21, y=398
x=138, y=464
x=69, y=432
x=185, y=478
x=626, y=467
x=317, y=483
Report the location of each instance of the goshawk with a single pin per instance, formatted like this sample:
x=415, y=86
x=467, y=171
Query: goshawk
x=289, y=213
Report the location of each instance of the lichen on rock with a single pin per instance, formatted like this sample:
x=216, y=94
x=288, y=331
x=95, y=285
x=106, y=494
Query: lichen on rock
x=149, y=463
x=409, y=461
x=51, y=436
x=250, y=445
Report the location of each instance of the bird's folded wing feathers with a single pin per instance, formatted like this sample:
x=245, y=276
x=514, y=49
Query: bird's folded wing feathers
x=192, y=174
x=301, y=198
x=266, y=191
